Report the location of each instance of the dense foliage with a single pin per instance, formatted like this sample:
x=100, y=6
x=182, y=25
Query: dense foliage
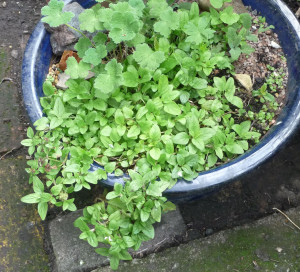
x=162, y=106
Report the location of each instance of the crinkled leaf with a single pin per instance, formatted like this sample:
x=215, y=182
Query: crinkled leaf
x=228, y=16
x=168, y=21
x=95, y=55
x=157, y=7
x=147, y=58
x=199, y=32
x=89, y=21
x=77, y=70
x=54, y=16
x=109, y=81
x=82, y=46
x=131, y=77
x=124, y=26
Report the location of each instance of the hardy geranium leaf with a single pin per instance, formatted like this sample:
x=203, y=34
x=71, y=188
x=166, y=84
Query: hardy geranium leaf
x=157, y=7
x=82, y=45
x=216, y=3
x=199, y=32
x=138, y=5
x=109, y=81
x=228, y=16
x=124, y=26
x=147, y=58
x=131, y=77
x=77, y=70
x=54, y=16
x=169, y=21
x=89, y=20
x=95, y=55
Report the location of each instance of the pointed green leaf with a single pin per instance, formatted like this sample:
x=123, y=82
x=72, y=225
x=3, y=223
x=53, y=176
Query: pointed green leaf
x=42, y=209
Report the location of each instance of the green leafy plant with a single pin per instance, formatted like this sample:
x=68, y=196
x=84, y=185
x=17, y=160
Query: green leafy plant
x=156, y=110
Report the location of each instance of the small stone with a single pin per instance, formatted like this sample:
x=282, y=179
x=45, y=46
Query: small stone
x=14, y=53
x=297, y=14
x=269, y=32
x=62, y=79
x=90, y=75
x=245, y=81
x=278, y=249
x=209, y=232
x=274, y=45
x=4, y=4
x=237, y=5
x=262, y=255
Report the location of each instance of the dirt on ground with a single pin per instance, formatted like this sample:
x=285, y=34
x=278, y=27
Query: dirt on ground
x=294, y=5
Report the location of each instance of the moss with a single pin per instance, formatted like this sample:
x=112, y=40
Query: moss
x=21, y=231
x=251, y=248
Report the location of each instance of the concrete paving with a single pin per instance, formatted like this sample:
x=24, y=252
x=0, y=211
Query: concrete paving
x=271, y=244
x=73, y=254
x=21, y=231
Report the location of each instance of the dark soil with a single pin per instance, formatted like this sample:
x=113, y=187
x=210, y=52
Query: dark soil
x=294, y=5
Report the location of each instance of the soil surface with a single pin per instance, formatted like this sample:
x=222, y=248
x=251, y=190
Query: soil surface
x=294, y=5
x=275, y=184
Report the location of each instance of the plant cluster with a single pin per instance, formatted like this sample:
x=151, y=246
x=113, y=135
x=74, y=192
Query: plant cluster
x=158, y=109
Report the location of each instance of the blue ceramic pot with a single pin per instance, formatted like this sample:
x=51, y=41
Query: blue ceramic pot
x=37, y=59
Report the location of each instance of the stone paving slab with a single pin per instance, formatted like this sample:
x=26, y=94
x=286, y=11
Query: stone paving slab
x=75, y=255
x=10, y=125
x=271, y=244
x=21, y=232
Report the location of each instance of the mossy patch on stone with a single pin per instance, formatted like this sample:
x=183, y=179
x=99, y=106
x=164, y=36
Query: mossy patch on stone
x=10, y=126
x=270, y=245
x=21, y=231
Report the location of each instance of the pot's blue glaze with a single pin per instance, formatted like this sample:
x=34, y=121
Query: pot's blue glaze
x=35, y=67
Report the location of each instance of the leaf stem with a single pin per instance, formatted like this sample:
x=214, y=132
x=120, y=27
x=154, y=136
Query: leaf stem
x=81, y=33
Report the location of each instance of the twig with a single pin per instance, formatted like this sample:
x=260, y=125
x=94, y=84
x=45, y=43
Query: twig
x=287, y=218
x=2, y=157
x=274, y=261
x=5, y=79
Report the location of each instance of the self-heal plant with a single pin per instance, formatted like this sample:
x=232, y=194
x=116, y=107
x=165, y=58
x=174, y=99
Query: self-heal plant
x=158, y=109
